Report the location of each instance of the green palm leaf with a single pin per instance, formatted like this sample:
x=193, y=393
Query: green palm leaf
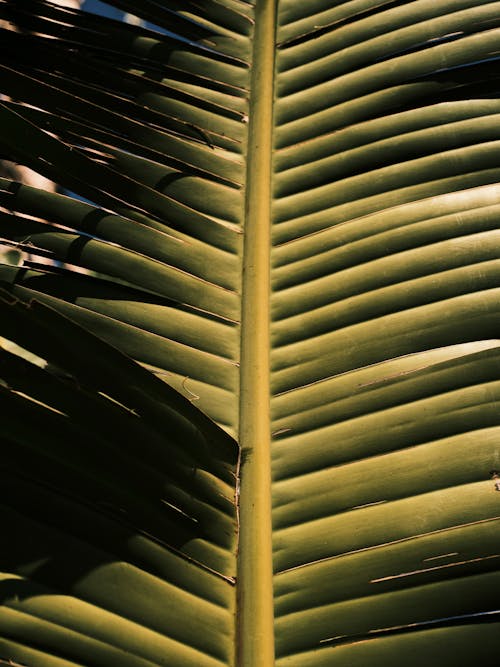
x=250, y=406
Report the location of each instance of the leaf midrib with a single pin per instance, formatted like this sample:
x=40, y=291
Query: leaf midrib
x=255, y=626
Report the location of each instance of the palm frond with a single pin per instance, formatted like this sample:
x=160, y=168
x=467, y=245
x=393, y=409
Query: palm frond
x=285, y=233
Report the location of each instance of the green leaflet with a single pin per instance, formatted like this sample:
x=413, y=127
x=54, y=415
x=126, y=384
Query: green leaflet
x=252, y=414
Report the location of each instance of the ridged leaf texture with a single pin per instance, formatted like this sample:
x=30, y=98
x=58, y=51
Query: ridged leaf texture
x=250, y=375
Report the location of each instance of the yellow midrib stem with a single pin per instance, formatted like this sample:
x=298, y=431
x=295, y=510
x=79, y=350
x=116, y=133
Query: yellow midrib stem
x=255, y=617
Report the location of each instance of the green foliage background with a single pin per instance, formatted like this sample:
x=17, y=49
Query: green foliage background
x=306, y=241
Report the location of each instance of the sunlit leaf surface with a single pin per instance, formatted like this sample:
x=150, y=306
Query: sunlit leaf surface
x=286, y=216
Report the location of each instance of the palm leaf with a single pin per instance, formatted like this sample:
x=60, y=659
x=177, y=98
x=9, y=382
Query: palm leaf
x=260, y=427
